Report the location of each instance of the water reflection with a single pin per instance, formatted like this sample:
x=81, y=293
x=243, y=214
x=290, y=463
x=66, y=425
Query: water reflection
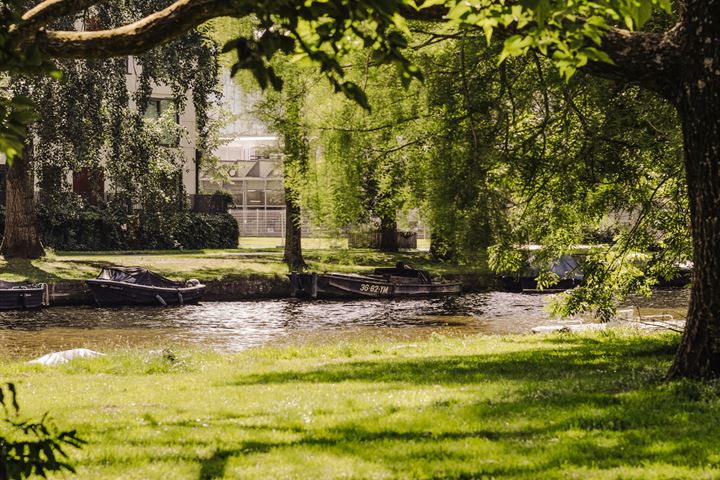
x=234, y=326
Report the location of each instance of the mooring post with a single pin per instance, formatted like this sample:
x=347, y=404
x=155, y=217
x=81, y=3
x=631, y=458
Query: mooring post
x=313, y=291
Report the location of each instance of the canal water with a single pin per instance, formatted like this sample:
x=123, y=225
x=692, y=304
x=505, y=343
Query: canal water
x=235, y=326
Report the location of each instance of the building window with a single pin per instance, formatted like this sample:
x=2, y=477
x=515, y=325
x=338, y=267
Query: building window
x=255, y=193
x=158, y=107
x=89, y=183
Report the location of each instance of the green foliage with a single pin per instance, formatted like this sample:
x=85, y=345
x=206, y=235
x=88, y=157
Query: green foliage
x=31, y=448
x=285, y=114
x=457, y=177
x=591, y=405
x=186, y=230
x=324, y=33
x=364, y=168
x=71, y=224
x=207, y=230
x=16, y=111
x=568, y=32
x=15, y=115
x=90, y=121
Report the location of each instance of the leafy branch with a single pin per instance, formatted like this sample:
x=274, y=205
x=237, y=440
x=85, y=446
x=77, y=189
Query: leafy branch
x=31, y=447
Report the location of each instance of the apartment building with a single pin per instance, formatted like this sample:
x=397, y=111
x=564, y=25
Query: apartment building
x=253, y=166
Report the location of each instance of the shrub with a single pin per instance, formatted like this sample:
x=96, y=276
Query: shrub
x=207, y=230
x=78, y=226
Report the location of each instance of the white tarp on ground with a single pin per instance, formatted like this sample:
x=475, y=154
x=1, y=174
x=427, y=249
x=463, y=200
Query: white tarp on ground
x=57, y=358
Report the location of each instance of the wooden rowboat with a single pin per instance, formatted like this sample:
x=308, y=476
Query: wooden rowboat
x=399, y=282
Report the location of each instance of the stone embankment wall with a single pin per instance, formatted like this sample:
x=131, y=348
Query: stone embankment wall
x=250, y=287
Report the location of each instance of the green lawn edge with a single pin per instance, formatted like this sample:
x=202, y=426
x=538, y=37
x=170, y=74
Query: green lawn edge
x=592, y=405
x=220, y=264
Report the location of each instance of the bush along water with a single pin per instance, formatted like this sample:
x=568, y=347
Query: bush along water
x=75, y=225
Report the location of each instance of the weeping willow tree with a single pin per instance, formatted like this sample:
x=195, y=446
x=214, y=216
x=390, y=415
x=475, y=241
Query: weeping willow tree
x=89, y=120
x=366, y=161
x=514, y=154
x=283, y=111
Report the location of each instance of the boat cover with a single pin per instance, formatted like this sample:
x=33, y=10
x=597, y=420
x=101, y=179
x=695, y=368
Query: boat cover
x=137, y=275
x=15, y=285
x=565, y=267
x=402, y=270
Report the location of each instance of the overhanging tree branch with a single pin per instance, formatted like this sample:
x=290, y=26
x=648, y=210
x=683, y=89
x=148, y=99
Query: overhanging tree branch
x=50, y=10
x=140, y=36
x=43, y=14
x=650, y=59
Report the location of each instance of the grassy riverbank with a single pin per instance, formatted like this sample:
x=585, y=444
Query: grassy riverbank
x=565, y=406
x=214, y=264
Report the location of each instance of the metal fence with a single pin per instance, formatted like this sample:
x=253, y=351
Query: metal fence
x=260, y=222
x=271, y=223
x=268, y=222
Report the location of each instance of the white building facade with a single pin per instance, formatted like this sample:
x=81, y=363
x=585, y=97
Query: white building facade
x=252, y=165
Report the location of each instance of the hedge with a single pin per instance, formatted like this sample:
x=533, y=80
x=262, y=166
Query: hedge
x=97, y=228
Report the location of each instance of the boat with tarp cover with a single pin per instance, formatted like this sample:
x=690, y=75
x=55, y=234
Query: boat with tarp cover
x=566, y=268
x=396, y=282
x=17, y=296
x=140, y=286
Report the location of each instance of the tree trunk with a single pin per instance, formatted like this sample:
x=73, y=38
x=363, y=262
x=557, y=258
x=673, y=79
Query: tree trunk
x=698, y=105
x=21, y=238
x=293, y=234
x=388, y=234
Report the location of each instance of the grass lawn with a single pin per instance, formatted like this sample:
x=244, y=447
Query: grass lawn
x=535, y=407
x=215, y=264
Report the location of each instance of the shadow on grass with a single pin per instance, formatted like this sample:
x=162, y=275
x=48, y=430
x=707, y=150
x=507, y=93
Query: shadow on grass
x=577, y=356
x=214, y=467
x=594, y=402
x=109, y=253
x=25, y=268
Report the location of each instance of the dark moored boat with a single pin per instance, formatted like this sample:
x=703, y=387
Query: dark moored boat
x=140, y=286
x=566, y=268
x=22, y=295
x=400, y=281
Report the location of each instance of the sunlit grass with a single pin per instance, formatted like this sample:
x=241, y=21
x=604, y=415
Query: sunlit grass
x=218, y=264
x=561, y=406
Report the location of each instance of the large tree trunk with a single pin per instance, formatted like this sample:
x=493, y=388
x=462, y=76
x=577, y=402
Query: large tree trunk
x=388, y=234
x=698, y=104
x=293, y=234
x=21, y=238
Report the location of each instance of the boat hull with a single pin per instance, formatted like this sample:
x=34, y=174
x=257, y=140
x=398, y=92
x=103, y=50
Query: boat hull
x=361, y=286
x=529, y=285
x=109, y=293
x=21, y=298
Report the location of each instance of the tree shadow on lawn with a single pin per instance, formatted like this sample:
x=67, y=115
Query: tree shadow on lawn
x=594, y=402
x=25, y=268
x=540, y=452
x=587, y=358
